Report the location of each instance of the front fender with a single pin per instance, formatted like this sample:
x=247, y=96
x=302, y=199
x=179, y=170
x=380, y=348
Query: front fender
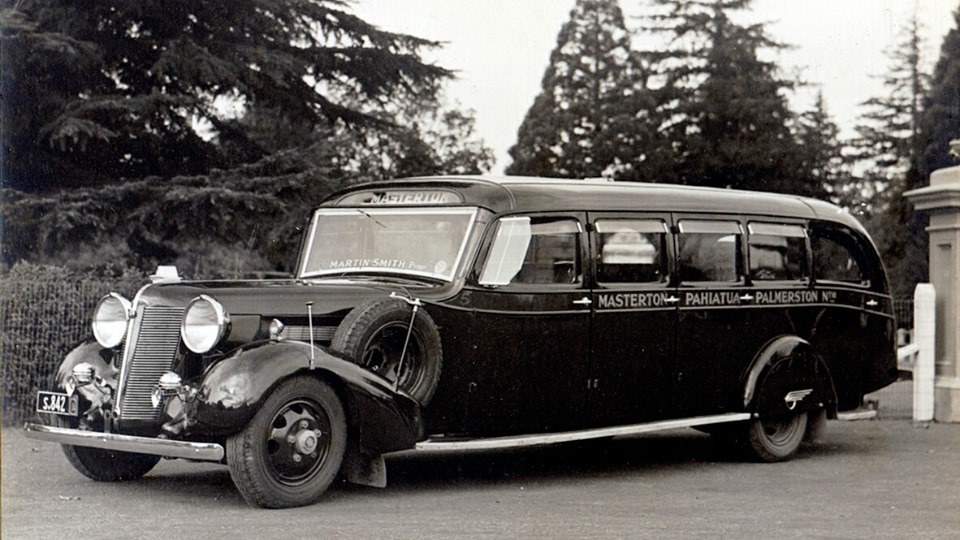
x=786, y=377
x=382, y=419
x=92, y=353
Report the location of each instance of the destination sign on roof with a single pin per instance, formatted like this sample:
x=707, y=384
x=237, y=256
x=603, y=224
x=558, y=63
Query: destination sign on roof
x=402, y=198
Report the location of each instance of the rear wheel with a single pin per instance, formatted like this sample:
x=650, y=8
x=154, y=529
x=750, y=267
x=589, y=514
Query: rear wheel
x=291, y=451
x=106, y=465
x=776, y=438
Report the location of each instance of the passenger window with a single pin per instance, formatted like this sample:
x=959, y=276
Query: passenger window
x=540, y=251
x=777, y=252
x=837, y=258
x=631, y=251
x=709, y=251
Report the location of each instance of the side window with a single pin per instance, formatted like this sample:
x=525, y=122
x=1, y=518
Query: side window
x=631, y=251
x=777, y=252
x=709, y=251
x=837, y=257
x=534, y=251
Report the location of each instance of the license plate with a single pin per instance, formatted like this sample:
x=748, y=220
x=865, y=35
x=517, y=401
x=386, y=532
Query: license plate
x=56, y=403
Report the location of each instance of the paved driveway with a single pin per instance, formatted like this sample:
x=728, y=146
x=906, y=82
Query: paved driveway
x=872, y=479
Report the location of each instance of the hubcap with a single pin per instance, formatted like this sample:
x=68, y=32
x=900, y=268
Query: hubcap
x=298, y=441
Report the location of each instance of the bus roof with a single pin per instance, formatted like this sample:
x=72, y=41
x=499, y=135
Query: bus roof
x=506, y=194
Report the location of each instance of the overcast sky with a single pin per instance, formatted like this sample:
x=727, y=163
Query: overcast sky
x=500, y=48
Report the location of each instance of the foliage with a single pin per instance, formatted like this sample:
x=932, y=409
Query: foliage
x=885, y=156
x=202, y=133
x=941, y=115
x=821, y=152
x=582, y=122
x=105, y=89
x=721, y=109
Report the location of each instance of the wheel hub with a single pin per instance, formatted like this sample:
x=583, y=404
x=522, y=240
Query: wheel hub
x=307, y=441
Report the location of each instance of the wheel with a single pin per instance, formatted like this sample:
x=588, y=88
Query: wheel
x=374, y=334
x=106, y=465
x=776, y=438
x=291, y=451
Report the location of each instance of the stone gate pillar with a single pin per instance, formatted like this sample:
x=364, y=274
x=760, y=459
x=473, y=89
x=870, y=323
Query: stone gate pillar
x=941, y=201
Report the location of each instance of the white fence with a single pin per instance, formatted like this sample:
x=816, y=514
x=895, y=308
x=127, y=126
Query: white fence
x=918, y=355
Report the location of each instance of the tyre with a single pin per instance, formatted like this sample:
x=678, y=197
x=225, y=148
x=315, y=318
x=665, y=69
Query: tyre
x=292, y=449
x=106, y=465
x=776, y=438
x=374, y=334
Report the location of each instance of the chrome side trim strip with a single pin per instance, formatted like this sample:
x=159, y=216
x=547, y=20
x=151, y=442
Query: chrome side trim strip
x=126, y=443
x=437, y=445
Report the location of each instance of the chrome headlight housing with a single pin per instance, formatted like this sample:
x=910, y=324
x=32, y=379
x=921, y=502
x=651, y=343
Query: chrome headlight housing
x=110, y=319
x=205, y=323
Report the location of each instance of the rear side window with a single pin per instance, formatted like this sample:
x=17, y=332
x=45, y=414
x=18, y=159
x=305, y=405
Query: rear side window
x=777, y=252
x=631, y=251
x=838, y=257
x=709, y=251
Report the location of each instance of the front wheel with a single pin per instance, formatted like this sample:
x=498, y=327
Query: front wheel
x=775, y=438
x=106, y=465
x=291, y=451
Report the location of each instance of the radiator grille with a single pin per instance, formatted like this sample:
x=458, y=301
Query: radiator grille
x=321, y=334
x=155, y=349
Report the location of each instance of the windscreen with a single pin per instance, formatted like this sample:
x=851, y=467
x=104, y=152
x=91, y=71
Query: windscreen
x=426, y=242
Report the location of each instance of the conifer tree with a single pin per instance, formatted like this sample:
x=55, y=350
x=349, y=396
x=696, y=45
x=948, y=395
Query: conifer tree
x=722, y=112
x=887, y=154
x=582, y=122
x=96, y=90
x=941, y=115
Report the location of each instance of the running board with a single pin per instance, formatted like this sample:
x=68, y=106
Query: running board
x=516, y=441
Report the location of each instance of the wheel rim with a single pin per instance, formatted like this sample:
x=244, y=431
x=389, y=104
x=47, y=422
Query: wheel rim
x=298, y=442
x=780, y=432
x=383, y=351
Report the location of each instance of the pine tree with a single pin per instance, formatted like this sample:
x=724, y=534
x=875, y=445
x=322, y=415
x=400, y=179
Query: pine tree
x=887, y=153
x=582, y=122
x=889, y=138
x=96, y=90
x=941, y=116
x=822, y=154
x=723, y=118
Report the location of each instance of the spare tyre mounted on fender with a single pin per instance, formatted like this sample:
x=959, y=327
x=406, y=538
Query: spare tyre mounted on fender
x=378, y=335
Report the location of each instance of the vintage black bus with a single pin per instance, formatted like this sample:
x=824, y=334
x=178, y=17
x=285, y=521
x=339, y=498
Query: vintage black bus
x=454, y=313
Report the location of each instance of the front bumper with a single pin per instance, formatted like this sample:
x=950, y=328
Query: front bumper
x=126, y=443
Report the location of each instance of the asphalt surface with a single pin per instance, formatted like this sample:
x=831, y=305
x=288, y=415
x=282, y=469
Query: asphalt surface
x=868, y=479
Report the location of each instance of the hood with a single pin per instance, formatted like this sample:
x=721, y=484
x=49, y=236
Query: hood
x=274, y=298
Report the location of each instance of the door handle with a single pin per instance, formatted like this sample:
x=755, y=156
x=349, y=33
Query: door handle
x=747, y=297
x=872, y=303
x=585, y=301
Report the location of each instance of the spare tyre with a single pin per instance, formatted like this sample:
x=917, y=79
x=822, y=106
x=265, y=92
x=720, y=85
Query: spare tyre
x=374, y=333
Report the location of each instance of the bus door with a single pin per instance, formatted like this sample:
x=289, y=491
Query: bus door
x=634, y=318
x=715, y=340
x=532, y=304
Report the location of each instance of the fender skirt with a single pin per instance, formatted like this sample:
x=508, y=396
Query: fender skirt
x=381, y=419
x=786, y=377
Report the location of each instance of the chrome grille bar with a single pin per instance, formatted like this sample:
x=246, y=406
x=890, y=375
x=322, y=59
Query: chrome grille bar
x=155, y=342
x=302, y=333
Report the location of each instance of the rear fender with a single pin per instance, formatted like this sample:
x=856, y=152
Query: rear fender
x=381, y=419
x=787, y=377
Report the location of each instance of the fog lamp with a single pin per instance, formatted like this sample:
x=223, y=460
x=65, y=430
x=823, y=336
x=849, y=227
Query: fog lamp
x=83, y=373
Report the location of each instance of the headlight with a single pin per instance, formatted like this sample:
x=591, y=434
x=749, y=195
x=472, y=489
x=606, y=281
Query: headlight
x=204, y=324
x=110, y=320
